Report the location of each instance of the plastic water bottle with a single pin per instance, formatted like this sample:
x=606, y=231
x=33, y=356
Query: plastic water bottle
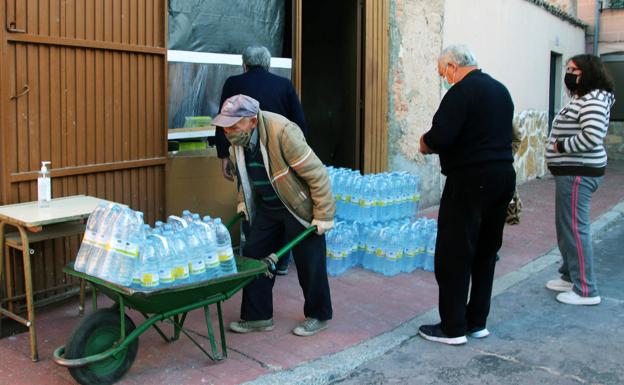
x=121, y=254
x=208, y=237
x=432, y=232
x=149, y=265
x=197, y=267
x=224, y=248
x=166, y=262
x=181, y=263
x=102, y=238
x=158, y=228
x=90, y=236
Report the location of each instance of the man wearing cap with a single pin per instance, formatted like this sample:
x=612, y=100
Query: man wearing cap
x=274, y=93
x=284, y=189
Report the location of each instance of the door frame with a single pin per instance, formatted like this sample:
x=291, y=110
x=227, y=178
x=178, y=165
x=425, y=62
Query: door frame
x=372, y=86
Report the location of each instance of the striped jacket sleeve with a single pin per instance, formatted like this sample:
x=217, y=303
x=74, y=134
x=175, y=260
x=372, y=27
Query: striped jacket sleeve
x=593, y=119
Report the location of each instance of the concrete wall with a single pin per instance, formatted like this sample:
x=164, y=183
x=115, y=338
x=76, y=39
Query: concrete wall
x=512, y=41
x=611, y=38
x=514, y=54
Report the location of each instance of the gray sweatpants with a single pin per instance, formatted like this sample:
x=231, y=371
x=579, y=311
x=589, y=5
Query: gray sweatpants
x=572, y=205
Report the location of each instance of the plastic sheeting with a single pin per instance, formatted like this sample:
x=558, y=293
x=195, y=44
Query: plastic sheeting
x=195, y=89
x=226, y=26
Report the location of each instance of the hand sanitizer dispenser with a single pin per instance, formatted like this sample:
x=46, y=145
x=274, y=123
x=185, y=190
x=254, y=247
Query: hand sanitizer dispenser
x=44, y=187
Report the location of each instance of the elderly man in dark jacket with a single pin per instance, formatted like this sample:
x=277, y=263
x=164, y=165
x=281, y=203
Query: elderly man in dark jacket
x=472, y=133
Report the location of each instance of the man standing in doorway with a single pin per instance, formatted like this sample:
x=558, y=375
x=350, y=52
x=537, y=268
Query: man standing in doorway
x=274, y=93
x=472, y=133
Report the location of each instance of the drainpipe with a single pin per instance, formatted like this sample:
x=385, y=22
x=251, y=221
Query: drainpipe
x=597, y=25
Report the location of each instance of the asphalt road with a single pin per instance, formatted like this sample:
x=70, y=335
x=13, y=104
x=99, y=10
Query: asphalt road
x=534, y=340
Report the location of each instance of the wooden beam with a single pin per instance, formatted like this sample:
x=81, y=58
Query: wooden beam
x=87, y=44
x=88, y=169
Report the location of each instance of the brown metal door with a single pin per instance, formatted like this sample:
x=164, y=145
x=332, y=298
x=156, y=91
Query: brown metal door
x=83, y=84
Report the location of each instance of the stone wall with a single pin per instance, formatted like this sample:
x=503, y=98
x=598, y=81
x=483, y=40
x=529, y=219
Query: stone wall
x=414, y=92
x=530, y=161
x=614, y=142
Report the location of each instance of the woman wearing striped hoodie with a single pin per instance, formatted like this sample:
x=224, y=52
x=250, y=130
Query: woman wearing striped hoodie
x=577, y=159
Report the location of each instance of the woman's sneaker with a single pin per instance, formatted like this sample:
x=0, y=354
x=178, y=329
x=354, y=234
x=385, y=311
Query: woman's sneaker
x=571, y=298
x=559, y=285
x=434, y=333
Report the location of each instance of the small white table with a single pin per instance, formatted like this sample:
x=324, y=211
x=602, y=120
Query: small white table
x=64, y=217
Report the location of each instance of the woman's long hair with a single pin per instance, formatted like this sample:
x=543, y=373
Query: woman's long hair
x=594, y=75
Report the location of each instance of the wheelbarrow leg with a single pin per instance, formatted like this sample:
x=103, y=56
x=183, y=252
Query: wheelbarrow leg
x=221, y=330
x=211, y=336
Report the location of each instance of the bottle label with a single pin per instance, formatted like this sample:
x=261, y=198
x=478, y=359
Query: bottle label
x=333, y=255
x=149, y=280
x=181, y=272
x=226, y=255
x=89, y=237
x=211, y=261
x=197, y=267
x=166, y=276
x=128, y=249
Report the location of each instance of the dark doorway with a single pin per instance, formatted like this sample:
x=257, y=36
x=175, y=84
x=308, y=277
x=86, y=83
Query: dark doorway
x=554, y=89
x=330, y=79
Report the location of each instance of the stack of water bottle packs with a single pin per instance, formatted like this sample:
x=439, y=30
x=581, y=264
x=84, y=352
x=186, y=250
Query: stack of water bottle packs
x=376, y=225
x=118, y=247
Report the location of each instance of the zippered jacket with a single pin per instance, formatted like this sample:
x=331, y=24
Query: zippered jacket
x=579, y=130
x=296, y=174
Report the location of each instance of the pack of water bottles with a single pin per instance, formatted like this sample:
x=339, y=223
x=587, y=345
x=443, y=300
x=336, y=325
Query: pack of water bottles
x=118, y=247
x=374, y=197
x=389, y=248
x=376, y=226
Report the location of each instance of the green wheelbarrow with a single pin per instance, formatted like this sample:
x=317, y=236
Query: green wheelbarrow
x=104, y=344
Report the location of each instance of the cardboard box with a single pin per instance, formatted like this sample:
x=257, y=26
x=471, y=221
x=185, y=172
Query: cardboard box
x=195, y=182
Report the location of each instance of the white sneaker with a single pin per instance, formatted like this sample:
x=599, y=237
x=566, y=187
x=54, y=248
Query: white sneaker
x=571, y=298
x=478, y=333
x=559, y=285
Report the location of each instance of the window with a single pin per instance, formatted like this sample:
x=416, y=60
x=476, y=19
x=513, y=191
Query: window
x=614, y=4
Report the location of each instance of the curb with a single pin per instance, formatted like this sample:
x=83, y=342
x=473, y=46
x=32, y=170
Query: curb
x=337, y=366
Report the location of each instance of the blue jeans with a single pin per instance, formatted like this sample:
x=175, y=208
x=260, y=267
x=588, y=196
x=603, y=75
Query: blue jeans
x=572, y=205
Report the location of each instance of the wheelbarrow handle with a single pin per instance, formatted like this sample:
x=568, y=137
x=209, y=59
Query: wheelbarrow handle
x=288, y=246
x=295, y=241
x=234, y=219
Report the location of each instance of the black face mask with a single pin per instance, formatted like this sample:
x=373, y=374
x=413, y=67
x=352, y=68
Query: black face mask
x=570, y=81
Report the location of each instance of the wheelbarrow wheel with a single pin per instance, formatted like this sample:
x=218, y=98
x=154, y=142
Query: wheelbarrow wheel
x=95, y=334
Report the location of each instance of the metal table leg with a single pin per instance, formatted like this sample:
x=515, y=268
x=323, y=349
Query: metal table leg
x=30, y=305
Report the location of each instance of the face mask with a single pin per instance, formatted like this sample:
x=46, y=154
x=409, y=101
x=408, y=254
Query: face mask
x=239, y=138
x=570, y=81
x=445, y=83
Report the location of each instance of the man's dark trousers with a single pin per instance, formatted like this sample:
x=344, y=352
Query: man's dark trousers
x=470, y=233
x=268, y=232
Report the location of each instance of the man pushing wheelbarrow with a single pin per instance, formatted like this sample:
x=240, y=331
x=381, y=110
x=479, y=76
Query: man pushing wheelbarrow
x=284, y=188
